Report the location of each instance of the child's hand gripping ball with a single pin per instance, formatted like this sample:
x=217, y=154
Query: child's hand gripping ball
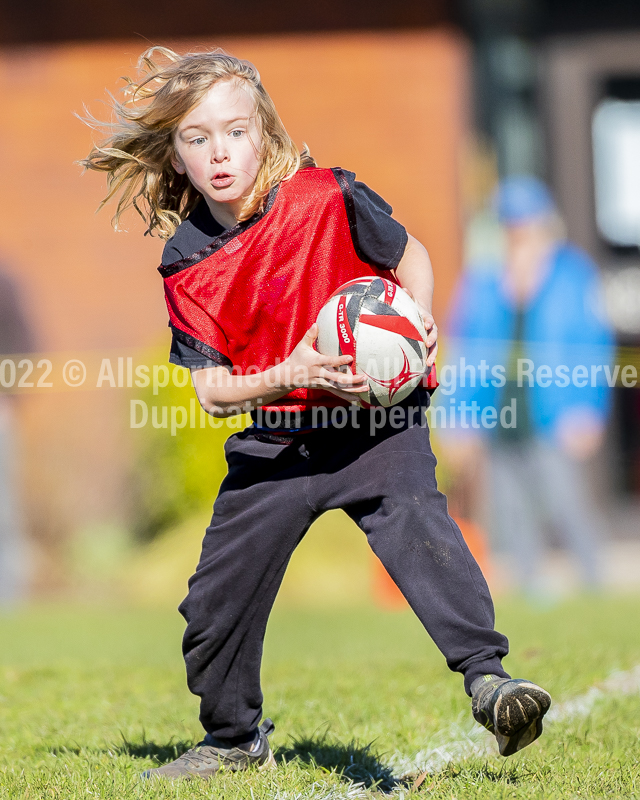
x=376, y=322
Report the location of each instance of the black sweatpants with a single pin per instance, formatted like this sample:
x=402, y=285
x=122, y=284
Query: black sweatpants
x=385, y=481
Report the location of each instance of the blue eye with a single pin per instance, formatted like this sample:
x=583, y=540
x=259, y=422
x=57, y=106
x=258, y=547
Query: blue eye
x=236, y=134
x=198, y=140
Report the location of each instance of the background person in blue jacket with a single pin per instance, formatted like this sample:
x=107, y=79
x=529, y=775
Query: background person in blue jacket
x=531, y=357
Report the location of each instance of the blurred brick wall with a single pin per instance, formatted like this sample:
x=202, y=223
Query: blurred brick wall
x=389, y=106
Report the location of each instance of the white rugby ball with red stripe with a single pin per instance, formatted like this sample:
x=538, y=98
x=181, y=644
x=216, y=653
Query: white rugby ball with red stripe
x=376, y=321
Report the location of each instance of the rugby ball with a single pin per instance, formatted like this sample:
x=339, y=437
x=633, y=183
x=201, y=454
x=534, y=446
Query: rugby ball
x=376, y=321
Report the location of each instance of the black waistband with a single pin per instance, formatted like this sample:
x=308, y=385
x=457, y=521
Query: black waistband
x=275, y=422
x=291, y=422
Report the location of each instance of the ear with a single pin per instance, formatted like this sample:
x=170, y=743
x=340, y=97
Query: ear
x=176, y=163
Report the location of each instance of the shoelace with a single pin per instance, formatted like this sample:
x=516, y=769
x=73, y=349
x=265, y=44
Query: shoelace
x=196, y=756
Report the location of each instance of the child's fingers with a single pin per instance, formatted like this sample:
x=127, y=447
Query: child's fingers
x=432, y=355
x=311, y=335
x=336, y=361
x=428, y=320
x=340, y=361
x=352, y=383
x=352, y=397
x=433, y=335
x=343, y=379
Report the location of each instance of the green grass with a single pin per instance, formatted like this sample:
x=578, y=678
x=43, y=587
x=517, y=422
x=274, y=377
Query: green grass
x=88, y=699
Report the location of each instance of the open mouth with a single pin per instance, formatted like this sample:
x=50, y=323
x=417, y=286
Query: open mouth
x=222, y=179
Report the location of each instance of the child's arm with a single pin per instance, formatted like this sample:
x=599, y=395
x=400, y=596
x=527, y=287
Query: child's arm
x=222, y=394
x=415, y=275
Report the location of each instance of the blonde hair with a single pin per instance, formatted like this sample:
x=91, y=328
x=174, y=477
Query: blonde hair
x=137, y=153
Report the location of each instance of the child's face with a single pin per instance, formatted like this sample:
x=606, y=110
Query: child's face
x=217, y=145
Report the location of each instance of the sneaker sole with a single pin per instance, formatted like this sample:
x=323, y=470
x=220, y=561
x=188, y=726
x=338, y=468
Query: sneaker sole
x=518, y=714
x=152, y=774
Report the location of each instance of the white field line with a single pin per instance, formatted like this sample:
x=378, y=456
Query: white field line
x=464, y=741
x=320, y=791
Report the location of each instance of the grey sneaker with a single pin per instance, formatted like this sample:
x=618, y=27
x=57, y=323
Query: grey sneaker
x=210, y=756
x=510, y=709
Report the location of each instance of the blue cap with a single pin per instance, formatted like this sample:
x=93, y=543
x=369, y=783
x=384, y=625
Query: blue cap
x=521, y=198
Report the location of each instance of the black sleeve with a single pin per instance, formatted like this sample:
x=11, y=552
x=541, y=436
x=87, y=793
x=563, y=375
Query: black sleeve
x=185, y=356
x=171, y=253
x=197, y=231
x=381, y=238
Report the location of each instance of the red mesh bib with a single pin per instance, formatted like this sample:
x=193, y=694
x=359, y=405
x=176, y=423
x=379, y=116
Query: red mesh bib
x=247, y=299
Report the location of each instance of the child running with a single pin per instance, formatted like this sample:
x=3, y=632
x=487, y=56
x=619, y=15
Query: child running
x=257, y=239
